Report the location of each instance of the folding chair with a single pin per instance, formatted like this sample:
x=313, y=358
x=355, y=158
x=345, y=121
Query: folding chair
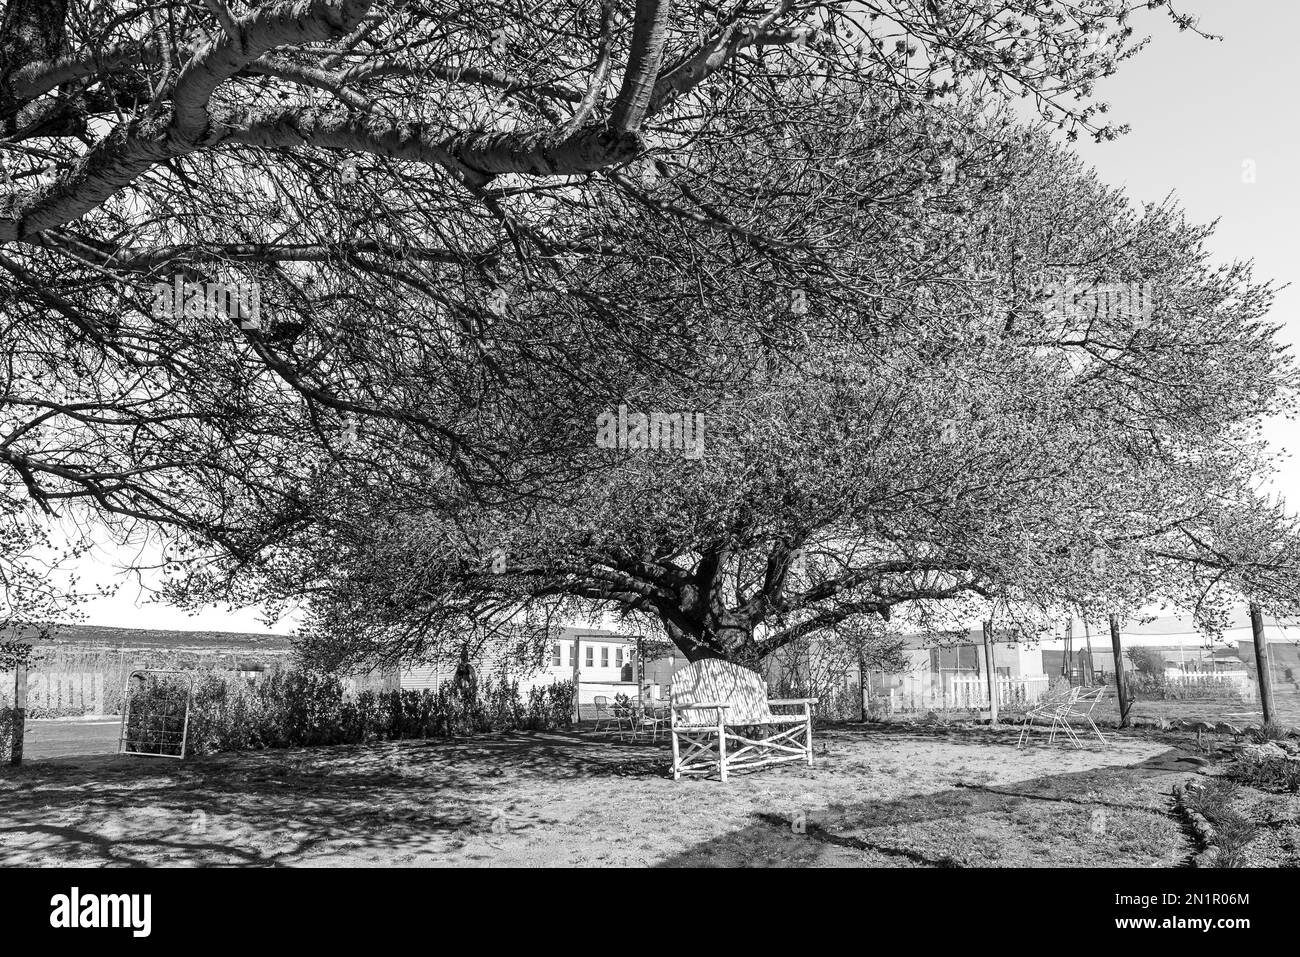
x=604, y=714
x=1055, y=707
x=1083, y=706
x=645, y=720
x=625, y=721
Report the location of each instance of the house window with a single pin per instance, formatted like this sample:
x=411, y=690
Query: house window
x=604, y=656
x=591, y=656
x=555, y=655
x=571, y=661
x=618, y=657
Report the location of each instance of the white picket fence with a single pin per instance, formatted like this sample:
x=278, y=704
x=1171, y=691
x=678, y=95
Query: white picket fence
x=969, y=692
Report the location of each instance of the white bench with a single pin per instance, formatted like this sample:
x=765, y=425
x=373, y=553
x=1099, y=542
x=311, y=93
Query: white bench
x=713, y=698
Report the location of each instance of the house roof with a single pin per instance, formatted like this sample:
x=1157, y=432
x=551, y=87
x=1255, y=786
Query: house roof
x=603, y=635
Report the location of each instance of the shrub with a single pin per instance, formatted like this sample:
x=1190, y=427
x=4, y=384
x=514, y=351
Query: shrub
x=295, y=708
x=561, y=697
x=1145, y=685
x=1146, y=662
x=1270, y=731
x=1274, y=774
x=1266, y=766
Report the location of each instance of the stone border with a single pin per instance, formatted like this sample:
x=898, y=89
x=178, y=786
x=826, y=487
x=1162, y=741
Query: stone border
x=1199, y=825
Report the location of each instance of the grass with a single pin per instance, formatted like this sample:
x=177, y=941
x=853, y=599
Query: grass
x=1209, y=709
x=1233, y=831
x=877, y=796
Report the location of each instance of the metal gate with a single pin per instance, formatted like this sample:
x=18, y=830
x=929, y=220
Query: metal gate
x=156, y=713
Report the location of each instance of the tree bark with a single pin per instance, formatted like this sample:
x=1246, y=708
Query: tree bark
x=32, y=31
x=1261, y=663
x=1120, y=690
x=20, y=714
x=649, y=35
x=990, y=675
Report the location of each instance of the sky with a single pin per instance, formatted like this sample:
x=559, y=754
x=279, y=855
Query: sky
x=1204, y=114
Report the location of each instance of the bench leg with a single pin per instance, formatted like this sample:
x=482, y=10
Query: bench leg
x=677, y=757
x=722, y=752
x=808, y=735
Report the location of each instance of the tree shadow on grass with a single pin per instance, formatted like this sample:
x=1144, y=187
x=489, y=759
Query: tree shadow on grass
x=1059, y=819
x=377, y=802
x=389, y=803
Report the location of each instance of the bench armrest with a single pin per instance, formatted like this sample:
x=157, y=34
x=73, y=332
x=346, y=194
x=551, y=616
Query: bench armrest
x=793, y=700
x=701, y=704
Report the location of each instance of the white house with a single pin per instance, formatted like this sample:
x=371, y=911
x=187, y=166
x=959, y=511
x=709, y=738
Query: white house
x=605, y=666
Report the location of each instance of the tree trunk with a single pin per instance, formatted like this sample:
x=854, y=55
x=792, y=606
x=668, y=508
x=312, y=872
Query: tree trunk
x=464, y=690
x=728, y=637
x=1120, y=690
x=1261, y=663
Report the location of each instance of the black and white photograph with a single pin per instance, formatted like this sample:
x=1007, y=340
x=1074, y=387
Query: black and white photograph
x=651, y=434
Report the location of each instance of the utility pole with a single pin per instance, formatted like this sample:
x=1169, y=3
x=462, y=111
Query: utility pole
x=1261, y=662
x=20, y=713
x=1087, y=639
x=992, y=672
x=639, y=671
x=1067, y=659
x=862, y=685
x=577, y=708
x=1120, y=690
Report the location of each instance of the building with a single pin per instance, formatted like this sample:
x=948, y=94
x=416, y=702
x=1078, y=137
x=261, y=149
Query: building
x=1185, y=653
x=604, y=660
x=939, y=672
x=951, y=672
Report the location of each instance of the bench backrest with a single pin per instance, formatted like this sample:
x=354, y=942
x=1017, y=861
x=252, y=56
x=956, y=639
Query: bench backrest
x=716, y=680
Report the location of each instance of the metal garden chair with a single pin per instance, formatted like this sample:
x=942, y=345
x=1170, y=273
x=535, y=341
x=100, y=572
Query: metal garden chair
x=1054, y=706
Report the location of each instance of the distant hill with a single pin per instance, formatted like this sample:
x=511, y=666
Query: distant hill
x=150, y=638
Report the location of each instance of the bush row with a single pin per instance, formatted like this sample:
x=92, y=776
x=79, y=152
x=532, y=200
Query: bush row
x=295, y=708
x=1156, y=687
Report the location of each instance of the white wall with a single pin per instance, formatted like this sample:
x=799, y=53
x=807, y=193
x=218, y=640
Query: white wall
x=603, y=649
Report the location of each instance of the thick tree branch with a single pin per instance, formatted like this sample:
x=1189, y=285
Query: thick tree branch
x=285, y=24
x=690, y=72
x=649, y=34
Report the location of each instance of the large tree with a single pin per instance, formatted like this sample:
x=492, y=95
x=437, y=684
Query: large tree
x=946, y=408
x=474, y=228
x=326, y=151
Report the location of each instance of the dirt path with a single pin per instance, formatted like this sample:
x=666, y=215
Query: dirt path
x=876, y=796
